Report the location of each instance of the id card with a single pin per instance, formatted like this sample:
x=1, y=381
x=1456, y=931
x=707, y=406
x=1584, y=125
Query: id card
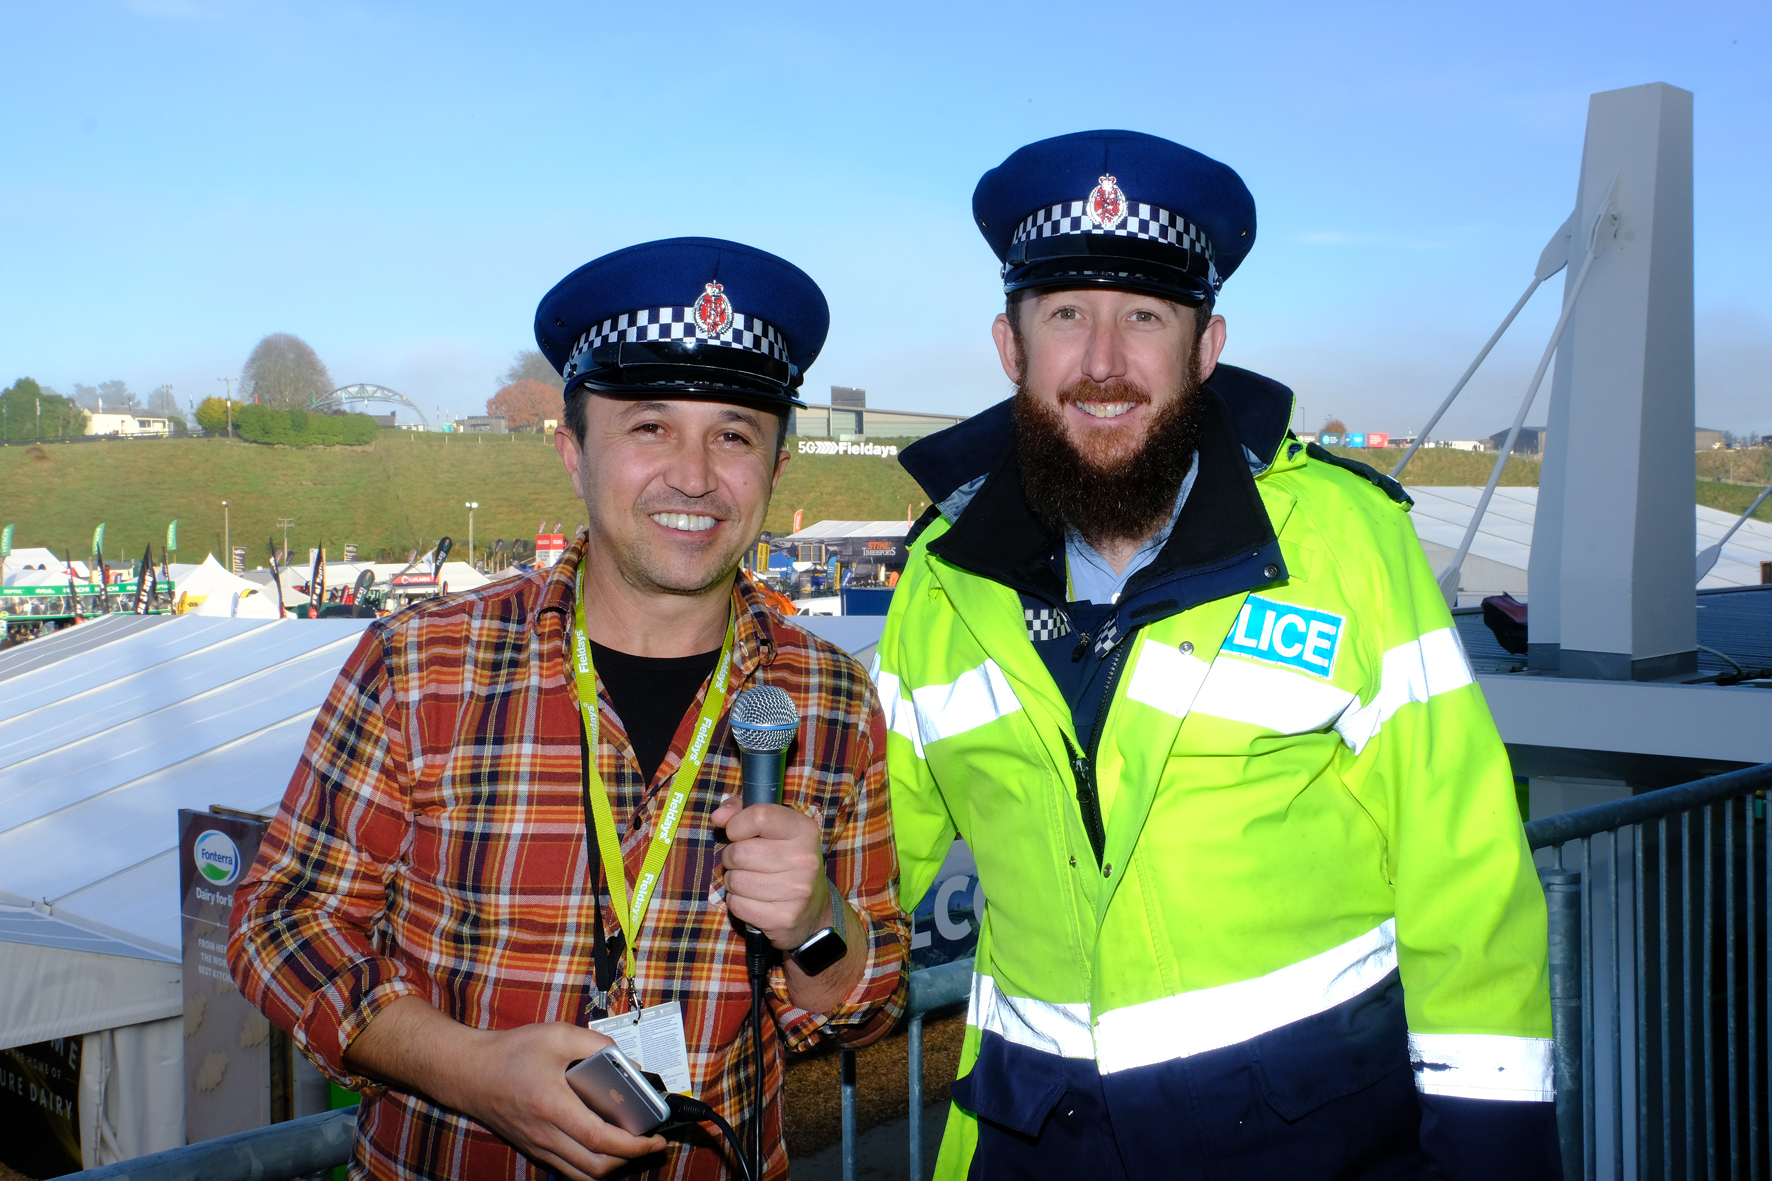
x=653, y=1038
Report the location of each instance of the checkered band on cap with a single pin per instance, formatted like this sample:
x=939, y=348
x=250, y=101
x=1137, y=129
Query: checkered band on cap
x=747, y=332
x=1151, y=222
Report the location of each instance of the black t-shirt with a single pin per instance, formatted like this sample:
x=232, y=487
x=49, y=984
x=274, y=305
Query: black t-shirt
x=651, y=694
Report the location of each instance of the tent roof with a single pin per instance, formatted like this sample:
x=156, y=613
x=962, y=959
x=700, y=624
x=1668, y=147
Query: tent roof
x=1441, y=515
x=108, y=728
x=825, y=530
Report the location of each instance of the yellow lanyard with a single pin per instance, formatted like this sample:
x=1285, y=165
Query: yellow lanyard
x=682, y=783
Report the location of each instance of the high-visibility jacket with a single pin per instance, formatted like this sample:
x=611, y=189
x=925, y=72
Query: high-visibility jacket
x=1292, y=800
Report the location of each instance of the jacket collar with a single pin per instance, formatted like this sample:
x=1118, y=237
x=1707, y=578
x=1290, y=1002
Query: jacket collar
x=754, y=642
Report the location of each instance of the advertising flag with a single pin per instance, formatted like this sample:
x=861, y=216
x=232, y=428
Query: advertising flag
x=172, y=536
x=317, y=583
x=6, y=542
x=98, y=539
x=277, y=580
x=73, y=595
x=144, y=583
x=104, y=582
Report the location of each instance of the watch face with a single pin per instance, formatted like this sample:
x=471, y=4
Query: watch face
x=820, y=952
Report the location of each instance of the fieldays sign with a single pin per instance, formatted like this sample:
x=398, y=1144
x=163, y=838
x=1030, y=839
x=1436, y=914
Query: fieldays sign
x=831, y=447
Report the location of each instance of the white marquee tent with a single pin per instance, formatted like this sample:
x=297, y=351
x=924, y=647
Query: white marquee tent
x=106, y=731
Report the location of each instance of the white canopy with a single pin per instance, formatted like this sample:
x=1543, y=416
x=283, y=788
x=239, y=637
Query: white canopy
x=210, y=579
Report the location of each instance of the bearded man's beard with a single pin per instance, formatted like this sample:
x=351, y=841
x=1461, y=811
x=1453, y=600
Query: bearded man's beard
x=1089, y=486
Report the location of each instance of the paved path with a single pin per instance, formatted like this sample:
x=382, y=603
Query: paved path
x=881, y=1154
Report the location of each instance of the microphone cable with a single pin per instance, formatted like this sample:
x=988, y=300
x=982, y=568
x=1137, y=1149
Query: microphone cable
x=757, y=959
x=694, y=1111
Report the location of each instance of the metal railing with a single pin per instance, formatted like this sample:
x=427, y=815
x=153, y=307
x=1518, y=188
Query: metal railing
x=931, y=990
x=1660, y=911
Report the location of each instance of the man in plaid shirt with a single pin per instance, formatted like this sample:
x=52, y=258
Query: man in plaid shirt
x=429, y=914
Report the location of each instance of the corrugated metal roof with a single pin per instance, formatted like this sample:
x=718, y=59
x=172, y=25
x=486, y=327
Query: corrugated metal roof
x=108, y=729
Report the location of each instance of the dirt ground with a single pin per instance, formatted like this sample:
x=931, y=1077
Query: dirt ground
x=7, y=1174
x=814, y=1099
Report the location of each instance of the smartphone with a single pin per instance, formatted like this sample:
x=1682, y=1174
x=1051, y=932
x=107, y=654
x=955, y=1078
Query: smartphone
x=613, y=1087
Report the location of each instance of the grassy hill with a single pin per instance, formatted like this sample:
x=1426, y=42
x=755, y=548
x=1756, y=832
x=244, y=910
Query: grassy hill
x=406, y=489
x=401, y=492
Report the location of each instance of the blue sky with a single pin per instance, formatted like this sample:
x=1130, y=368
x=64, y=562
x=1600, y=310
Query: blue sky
x=398, y=183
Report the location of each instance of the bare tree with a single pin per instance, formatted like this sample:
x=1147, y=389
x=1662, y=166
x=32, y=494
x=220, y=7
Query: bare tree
x=530, y=365
x=285, y=373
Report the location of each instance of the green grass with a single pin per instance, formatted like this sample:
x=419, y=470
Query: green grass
x=408, y=488
x=401, y=492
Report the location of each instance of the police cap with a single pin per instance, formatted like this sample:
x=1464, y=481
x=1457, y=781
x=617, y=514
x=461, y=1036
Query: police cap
x=685, y=318
x=1116, y=209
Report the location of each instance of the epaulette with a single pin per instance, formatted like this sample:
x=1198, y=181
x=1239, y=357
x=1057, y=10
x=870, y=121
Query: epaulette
x=1370, y=474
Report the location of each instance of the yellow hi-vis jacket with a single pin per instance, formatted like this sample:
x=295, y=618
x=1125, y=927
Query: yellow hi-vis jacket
x=1298, y=786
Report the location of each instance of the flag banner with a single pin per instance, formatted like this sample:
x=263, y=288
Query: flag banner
x=6, y=541
x=317, y=583
x=172, y=536
x=277, y=581
x=441, y=554
x=144, y=583
x=360, y=589
x=74, y=597
x=98, y=539
x=104, y=581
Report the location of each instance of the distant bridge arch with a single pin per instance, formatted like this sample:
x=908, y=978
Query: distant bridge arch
x=366, y=392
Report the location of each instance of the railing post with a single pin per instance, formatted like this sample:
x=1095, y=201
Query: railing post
x=1562, y=900
x=848, y=1082
x=915, y=1036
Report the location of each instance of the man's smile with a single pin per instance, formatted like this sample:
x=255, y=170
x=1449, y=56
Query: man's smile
x=1104, y=409
x=685, y=522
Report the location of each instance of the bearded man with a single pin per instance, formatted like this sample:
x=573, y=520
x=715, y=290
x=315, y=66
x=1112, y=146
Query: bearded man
x=1260, y=904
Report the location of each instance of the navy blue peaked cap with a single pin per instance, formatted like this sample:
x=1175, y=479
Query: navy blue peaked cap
x=1116, y=209
x=687, y=317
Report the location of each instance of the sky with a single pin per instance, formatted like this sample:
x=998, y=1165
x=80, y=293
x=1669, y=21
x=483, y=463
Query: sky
x=400, y=183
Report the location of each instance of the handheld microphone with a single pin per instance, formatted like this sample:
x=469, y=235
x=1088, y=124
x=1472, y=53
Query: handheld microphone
x=764, y=722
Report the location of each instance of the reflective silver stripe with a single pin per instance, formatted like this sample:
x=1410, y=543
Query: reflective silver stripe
x=972, y=700
x=1046, y=1026
x=1413, y=672
x=1262, y=695
x=1166, y=679
x=1483, y=1066
x=1211, y=1018
x=901, y=719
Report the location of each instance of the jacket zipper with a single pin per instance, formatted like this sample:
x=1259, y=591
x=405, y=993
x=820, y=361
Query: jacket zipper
x=1083, y=765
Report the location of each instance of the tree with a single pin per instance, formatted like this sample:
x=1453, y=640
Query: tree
x=19, y=418
x=162, y=403
x=212, y=415
x=116, y=397
x=526, y=404
x=529, y=365
x=1334, y=427
x=283, y=372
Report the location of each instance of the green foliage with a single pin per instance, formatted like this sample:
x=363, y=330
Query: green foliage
x=212, y=415
x=300, y=428
x=19, y=404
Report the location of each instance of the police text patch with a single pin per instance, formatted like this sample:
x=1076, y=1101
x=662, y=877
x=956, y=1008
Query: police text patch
x=1285, y=633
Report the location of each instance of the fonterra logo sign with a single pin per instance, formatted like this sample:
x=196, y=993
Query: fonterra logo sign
x=217, y=858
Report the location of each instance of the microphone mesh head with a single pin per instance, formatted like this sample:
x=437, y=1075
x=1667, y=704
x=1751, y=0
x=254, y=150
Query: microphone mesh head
x=764, y=718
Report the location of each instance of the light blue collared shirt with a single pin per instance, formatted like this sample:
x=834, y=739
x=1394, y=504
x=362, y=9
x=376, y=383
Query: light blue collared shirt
x=1092, y=578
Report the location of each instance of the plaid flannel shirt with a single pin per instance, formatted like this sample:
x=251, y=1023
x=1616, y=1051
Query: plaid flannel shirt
x=433, y=842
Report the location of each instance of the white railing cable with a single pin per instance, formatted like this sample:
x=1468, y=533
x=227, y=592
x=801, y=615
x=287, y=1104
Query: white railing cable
x=1605, y=220
x=1708, y=556
x=1553, y=259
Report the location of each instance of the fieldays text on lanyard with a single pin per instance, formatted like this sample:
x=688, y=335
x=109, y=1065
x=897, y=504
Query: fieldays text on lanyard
x=631, y=915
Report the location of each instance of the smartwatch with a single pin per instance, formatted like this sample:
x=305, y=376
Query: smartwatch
x=826, y=946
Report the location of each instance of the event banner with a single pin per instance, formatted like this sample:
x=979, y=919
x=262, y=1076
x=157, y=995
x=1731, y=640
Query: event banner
x=236, y=1064
x=40, y=1108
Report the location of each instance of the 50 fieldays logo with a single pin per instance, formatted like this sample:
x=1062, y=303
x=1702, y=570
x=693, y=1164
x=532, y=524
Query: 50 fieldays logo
x=1285, y=633
x=217, y=858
